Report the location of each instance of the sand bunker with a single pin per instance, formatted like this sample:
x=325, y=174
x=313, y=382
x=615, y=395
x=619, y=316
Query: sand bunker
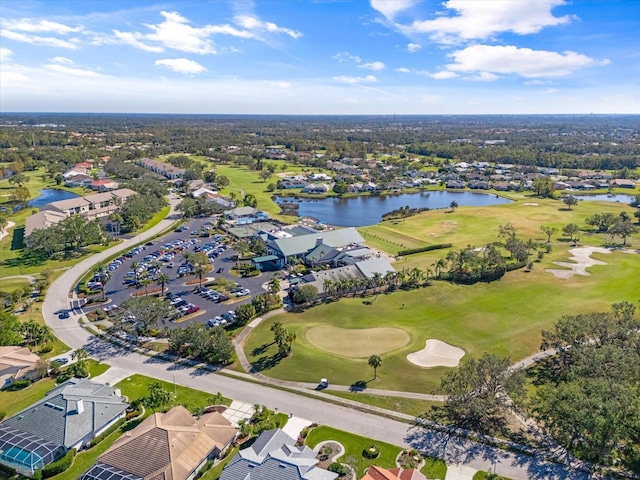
x=530, y=204
x=582, y=257
x=357, y=343
x=437, y=354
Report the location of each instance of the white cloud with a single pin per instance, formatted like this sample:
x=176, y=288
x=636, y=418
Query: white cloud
x=343, y=57
x=413, y=47
x=255, y=24
x=390, y=8
x=520, y=61
x=37, y=40
x=485, y=77
x=130, y=39
x=176, y=33
x=443, y=75
x=356, y=80
x=28, y=25
x=76, y=72
x=472, y=19
x=64, y=60
x=403, y=70
x=5, y=54
x=536, y=82
x=181, y=65
x=377, y=66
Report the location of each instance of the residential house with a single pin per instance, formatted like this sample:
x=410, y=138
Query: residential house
x=297, y=247
x=479, y=185
x=317, y=188
x=323, y=177
x=79, y=180
x=172, y=445
x=69, y=416
x=275, y=456
x=42, y=220
x=623, y=183
x=293, y=181
x=104, y=185
x=455, y=184
x=164, y=169
x=378, y=473
x=244, y=215
x=17, y=363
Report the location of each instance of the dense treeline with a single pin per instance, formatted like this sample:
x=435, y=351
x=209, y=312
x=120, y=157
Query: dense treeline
x=594, y=142
x=589, y=393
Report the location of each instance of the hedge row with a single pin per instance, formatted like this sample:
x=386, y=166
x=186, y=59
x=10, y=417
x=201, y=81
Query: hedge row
x=60, y=466
x=428, y=248
x=7, y=469
x=96, y=440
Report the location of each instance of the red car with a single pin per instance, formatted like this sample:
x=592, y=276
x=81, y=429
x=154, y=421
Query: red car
x=192, y=309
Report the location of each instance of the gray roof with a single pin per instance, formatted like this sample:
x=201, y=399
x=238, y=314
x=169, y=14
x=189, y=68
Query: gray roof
x=274, y=455
x=375, y=265
x=56, y=420
x=304, y=243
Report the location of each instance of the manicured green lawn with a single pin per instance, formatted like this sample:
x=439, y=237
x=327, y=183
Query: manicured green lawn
x=36, y=315
x=407, y=406
x=137, y=386
x=13, y=402
x=480, y=475
x=505, y=317
x=354, y=445
x=12, y=284
x=96, y=368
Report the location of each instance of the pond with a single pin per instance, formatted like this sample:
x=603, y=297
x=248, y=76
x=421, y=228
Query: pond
x=368, y=210
x=603, y=197
x=48, y=195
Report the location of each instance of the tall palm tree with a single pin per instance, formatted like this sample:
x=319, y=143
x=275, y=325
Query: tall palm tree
x=200, y=270
x=274, y=285
x=374, y=362
x=146, y=281
x=162, y=279
x=134, y=267
x=187, y=257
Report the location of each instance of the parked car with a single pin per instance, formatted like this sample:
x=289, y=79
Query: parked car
x=243, y=293
x=63, y=315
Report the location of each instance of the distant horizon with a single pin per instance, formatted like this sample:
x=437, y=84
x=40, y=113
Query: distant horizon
x=347, y=57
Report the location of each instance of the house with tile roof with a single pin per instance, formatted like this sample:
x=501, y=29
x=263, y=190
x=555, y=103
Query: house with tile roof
x=378, y=473
x=275, y=455
x=69, y=416
x=167, y=446
x=17, y=363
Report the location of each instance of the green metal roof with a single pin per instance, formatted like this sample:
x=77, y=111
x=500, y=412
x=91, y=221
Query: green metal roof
x=265, y=258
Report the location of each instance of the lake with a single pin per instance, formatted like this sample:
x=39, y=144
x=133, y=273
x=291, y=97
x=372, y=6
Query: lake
x=368, y=210
x=603, y=197
x=48, y=195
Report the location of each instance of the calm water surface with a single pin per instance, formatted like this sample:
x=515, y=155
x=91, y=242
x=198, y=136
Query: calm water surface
x=603, y=197
x=368, y=210
x=48, y=195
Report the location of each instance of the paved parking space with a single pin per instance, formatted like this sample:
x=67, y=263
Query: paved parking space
x=238, y=411
x=119, y=292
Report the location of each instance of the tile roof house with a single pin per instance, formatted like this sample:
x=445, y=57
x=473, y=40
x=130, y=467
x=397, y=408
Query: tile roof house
x=164, y=169
x=42, y=220
x=378, y=473
x=275, y=456
x=165, y=446
x=17, y=363
x=69, y=416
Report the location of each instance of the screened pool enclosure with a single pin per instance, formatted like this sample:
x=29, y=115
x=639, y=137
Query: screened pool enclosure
x=25, y=452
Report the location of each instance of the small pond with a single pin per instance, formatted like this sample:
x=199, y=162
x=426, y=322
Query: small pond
x=603, y=197
x=48, y=195
x=368, y=210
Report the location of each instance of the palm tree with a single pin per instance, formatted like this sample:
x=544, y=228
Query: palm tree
x=162, y=279
x=200, y=270
x=187, y=257
x=374, y=362
x=81, y=357
x=146, y=281
x=134, y=267
x=274, y=285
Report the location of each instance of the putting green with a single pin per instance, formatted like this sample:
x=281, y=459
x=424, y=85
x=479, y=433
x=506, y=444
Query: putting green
x=357, y=343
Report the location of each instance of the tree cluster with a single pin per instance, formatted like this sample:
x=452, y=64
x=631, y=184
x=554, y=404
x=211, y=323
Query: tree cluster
x=283, y=338
x=72, y=233
x=199, y=343
x=589, y=393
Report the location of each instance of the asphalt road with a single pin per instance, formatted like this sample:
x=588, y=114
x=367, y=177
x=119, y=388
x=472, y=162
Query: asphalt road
x=452, y=449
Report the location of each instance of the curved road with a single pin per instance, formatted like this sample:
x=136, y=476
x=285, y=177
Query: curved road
x=454, y=450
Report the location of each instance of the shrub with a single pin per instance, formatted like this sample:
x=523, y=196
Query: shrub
x=8, y=470
x=371, y=452
x=428, y=248
x=60, y=466
x=338, y=468
x=2, y=415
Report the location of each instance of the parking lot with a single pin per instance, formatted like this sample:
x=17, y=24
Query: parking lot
x=165, y=255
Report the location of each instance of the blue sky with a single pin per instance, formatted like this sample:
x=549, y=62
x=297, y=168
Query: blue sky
x=320, y=56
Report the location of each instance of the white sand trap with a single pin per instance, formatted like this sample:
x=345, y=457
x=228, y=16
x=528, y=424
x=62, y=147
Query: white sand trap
x=437, y=354
x=531, y=204
x=582, y=257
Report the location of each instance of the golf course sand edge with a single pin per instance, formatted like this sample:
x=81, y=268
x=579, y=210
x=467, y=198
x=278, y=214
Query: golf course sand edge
x=582, y=258
x=436, y=354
